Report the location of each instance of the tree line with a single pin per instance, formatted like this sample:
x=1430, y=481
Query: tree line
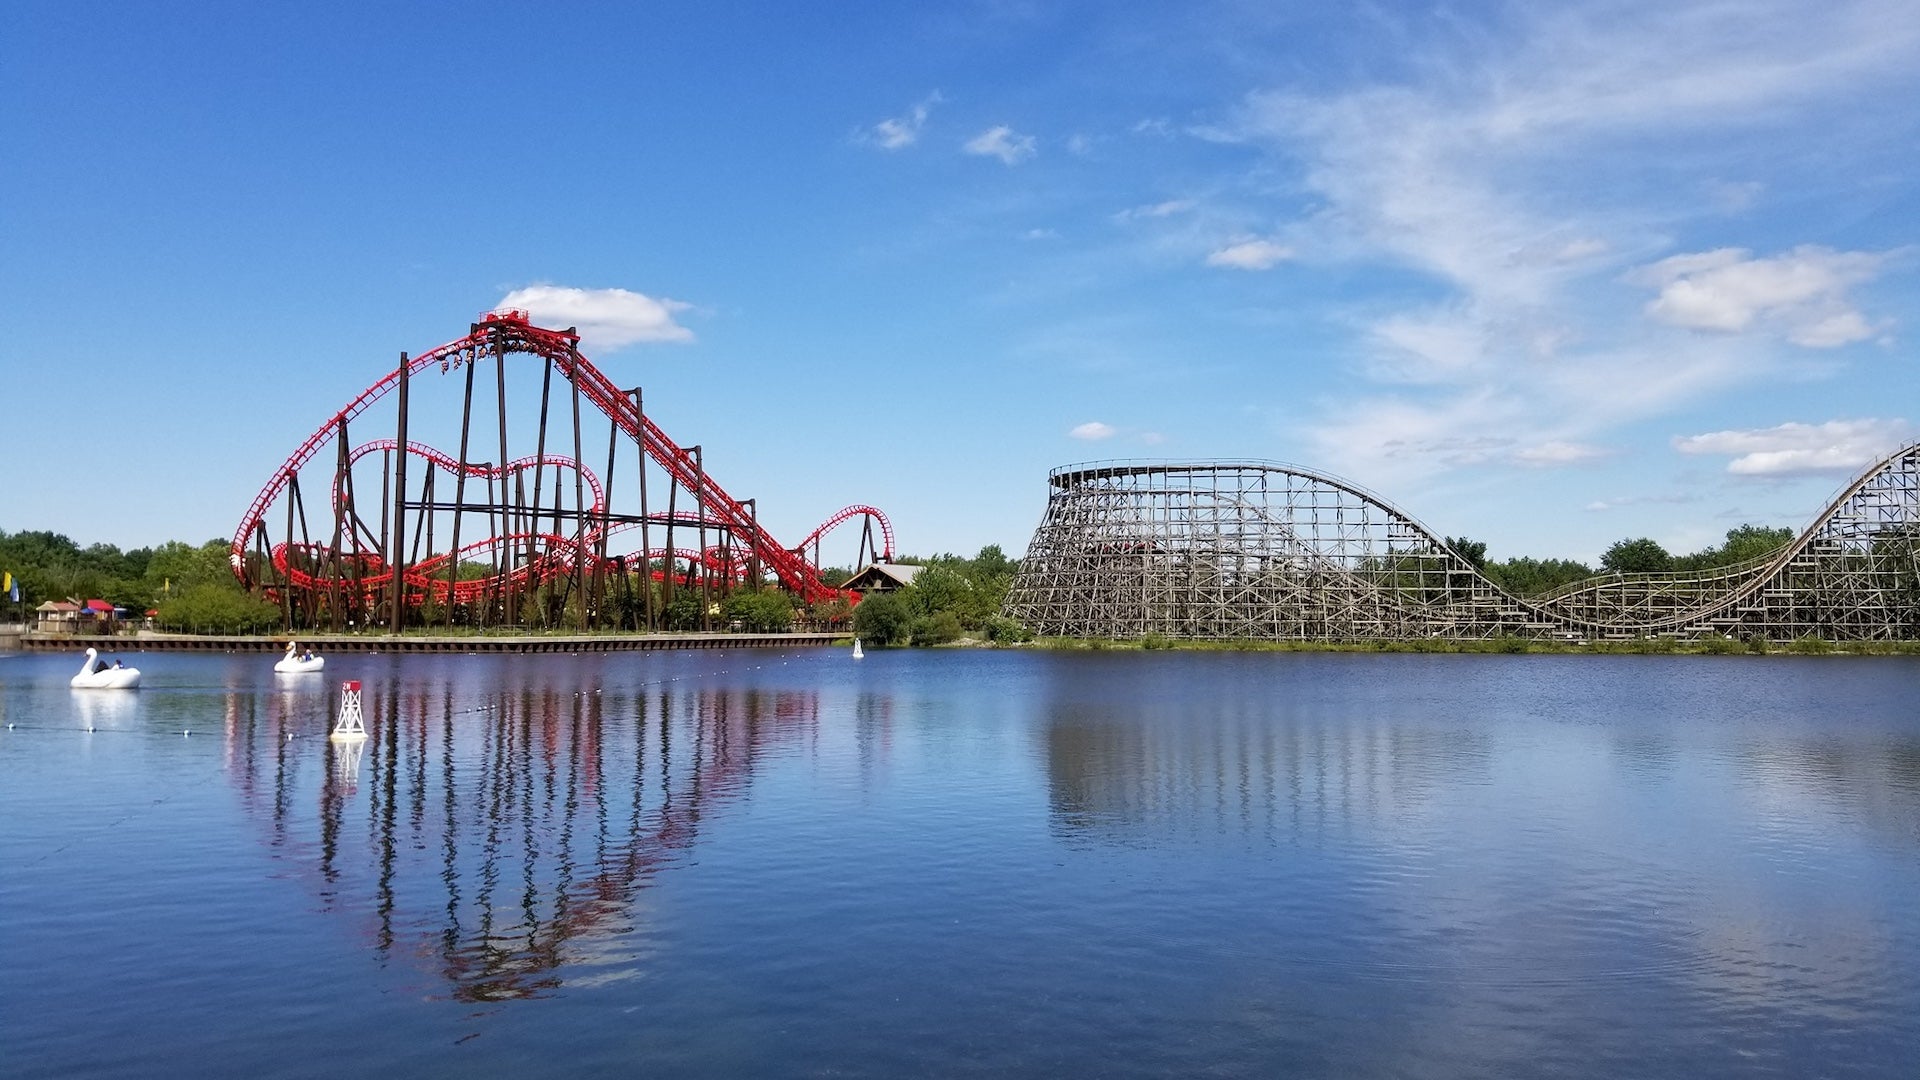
x=192, y=587
x=952, y=597
x=1528, y=576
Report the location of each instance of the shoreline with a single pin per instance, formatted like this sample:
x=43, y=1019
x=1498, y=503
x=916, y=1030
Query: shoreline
x=415, y=643
x=608, y=642
x=1473, y=647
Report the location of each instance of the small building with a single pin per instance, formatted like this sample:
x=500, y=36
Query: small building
x=883, y=577
x=57, y=617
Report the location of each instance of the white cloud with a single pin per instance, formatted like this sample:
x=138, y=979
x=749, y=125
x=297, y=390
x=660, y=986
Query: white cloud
x=1250, y=253
x=1558, y=452
x=1839, y=328
x=1001, y=142
x=1510, y=167
x=1802, y=294
x=1576, y=250
x=1429, y=347
x=1040, y=234
x=1093, y=431
x=607, y=319
x=899, y=132
x=1603, y=505
x=1155, y=210
x=1558, y=252
x=1837, y=446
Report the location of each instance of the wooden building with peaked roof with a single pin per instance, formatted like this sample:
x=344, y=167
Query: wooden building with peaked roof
x=883, y=577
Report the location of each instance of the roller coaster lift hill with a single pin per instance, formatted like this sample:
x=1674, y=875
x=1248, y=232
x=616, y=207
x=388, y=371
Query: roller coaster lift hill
x=534, y=540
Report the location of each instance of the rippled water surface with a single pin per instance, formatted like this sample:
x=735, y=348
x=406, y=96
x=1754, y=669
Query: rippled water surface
x=763, y=863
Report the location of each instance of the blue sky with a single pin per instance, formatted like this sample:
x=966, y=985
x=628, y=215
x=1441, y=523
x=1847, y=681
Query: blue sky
x=1544, y=274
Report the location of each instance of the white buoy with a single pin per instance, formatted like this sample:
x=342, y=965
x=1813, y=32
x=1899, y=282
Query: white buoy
x=857, y=654
x=350, y=726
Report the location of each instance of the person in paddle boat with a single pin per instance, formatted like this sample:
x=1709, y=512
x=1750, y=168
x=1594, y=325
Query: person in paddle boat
x=97, y=673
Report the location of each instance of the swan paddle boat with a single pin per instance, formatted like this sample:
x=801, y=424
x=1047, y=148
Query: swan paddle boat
x=297, y=661
x=97, y=674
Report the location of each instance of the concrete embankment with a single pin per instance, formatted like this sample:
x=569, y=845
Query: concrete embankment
x=415, y=643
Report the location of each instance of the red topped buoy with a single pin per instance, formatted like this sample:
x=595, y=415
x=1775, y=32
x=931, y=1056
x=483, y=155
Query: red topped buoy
x=350, y=725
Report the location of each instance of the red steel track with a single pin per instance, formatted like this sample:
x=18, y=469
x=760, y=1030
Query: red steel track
x=496, y=336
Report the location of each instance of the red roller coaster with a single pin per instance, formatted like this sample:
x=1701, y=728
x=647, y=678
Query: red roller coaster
x=543, y=520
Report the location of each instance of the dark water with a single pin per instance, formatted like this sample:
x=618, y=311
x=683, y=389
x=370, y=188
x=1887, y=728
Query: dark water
x=965, y=863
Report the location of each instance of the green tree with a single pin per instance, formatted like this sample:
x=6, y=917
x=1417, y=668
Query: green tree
x=883, y=618
x=942, y=585
x=216, y=609
x=992, y=562
x=1528, y=576
x=972, y=590
x=1640, y=556
x=938, y=628
x=1752, y=542
x=834, y=611
x=767, y=611
x=1005, y=631
x=684, y=613
x=175, y=565
x=1474, y=551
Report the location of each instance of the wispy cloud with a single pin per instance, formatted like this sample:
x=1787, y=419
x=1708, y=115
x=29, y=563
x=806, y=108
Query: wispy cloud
x=1837, y=446
x=1556, y=452
x=1155, y=210
x=1250, y=253
x=1480, y=173
x=1679, y=498
x=1735, y=196
x=900, y=132
x=1093, y=431
x=1001, y=142
x=607, y=319
x=1803, y=292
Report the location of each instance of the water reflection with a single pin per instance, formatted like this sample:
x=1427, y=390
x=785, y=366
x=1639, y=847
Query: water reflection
x=1129, y=760
x=1165, y=773
x=106, y=710
x=1514, y=853
x=1800, y=786
x=503, y=840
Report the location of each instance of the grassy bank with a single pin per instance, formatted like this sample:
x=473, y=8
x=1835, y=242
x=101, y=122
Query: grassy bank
x=1708, y=646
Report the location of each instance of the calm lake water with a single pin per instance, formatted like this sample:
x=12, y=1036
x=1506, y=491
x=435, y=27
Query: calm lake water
x=765, y=863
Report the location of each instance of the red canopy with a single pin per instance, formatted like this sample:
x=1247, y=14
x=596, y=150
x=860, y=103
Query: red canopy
x=99, y=605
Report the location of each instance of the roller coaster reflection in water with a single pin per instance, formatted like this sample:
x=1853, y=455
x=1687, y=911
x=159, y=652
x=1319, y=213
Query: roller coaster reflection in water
x=614, y=787
x=534, y=540
x=1267, y=551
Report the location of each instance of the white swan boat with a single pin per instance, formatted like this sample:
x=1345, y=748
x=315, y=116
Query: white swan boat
x=297, y=661
x=97, y=674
